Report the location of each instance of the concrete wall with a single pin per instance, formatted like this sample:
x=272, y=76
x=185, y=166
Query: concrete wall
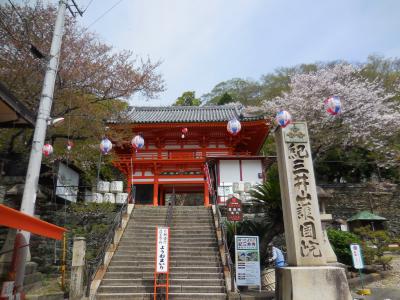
x=382, y=197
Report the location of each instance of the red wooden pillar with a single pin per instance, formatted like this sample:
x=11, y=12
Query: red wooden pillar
x=162, y=195
x=129, y=183
x=206, y=195
x=155, y=194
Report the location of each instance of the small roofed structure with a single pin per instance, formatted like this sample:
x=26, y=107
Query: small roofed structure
x=13, y=112
x=366, y=218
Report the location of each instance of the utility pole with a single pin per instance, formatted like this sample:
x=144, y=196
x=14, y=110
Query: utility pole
x=35, y=159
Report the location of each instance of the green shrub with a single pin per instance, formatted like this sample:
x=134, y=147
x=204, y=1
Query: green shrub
x=368, y=253
x=340, y=241
x=375, y=242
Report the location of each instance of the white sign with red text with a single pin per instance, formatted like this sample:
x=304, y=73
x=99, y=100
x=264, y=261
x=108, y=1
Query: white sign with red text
x=356, y=254
x=162, y=250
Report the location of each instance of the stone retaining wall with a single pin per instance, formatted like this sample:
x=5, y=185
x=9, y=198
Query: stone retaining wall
x=382, y=198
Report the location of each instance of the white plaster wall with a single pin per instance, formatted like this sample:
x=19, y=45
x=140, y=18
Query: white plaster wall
x=229, y=171
x=250, y=170
x=142, y=180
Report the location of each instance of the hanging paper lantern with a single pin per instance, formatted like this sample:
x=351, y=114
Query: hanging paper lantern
x=47, y=149
x=105, y=146
x=70, y=144
x=184, y=131
x=333, y=105
x=137, y=142
x=283, y=118
x=234, y=126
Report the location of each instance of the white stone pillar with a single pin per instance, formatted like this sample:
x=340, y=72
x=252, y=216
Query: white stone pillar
x=308, y=276
x=78, y=268
x=303, y=229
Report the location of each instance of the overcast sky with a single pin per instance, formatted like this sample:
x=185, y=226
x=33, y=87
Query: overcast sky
x=204, y=42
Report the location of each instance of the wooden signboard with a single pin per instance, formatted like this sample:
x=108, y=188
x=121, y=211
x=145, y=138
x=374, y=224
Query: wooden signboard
x=162, y=260
x=234, y=210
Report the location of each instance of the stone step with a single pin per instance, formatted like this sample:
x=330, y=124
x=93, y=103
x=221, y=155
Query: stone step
x=149, y=289
x=173, y=257
x=145, y=249
x=173, y=269
x=149, y=217
x=172, y=296
x=150, y=275
x=178, y=244
x=193, y=220
x=149, y=227
x=180, y=263
x=188, y=224
x=173, y=253
x=188, y=216
x=145, y=240
x=172, y=281
x=195, y=266
x=173, y=239
x=173, y=233
x=174, y=213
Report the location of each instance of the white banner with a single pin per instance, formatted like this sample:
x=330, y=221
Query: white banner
x=247, y=260
x=356, y=253
x=225, y=191
x=162, y=250
x=67, y=183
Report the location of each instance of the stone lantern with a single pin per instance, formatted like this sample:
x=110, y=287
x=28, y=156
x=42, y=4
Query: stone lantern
x=324, y=196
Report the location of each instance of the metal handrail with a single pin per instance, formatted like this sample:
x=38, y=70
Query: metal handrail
x=94, y=265
x=170, y=210
x=228, y=259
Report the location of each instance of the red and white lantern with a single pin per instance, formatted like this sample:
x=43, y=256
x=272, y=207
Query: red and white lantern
x=105, y=146
x=47, y=149
x=333, y=105
x=184, y=132
x=283, y=118
x=70, y=144
x=137, y=142
x=234, y=126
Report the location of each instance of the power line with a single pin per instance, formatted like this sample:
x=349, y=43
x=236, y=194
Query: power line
x=105, y=13
x=15, y=9
x=90, y=2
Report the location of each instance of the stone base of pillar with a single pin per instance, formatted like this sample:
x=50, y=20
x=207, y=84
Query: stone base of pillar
x=312, y=283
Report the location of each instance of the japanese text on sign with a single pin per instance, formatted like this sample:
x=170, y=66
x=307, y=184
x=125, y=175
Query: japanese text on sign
x=162, y=249
x=309, y=244
x=356, y=254
x=234, y=209
x=247, y=260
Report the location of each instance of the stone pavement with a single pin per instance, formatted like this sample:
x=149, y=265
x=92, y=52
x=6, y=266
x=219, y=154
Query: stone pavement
x=252, y=295
x=386, y=288
x=393, y=280
x=381, y=294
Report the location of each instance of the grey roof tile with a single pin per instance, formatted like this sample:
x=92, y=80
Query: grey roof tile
x=183, y=114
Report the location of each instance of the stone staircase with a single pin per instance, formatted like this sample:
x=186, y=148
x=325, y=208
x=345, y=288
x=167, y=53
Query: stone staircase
x=195, y=265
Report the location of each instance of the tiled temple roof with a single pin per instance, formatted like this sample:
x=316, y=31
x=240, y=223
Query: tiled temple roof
x=183, y=114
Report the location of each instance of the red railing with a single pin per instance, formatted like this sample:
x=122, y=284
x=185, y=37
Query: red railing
x=176, y=155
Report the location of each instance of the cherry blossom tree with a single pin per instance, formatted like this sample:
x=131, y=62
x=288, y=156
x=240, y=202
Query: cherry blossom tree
x=370, y=118
x=94, y=80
